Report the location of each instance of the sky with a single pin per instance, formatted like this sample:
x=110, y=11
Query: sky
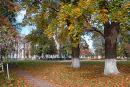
x=89, y=42
x=20, y=16
x=19, y=19
x=27, y=29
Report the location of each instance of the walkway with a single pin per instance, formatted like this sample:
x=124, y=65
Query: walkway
x=35, y=82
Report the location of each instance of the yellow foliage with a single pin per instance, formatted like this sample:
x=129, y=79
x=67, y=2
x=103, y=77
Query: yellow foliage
x=72, y=20
x=50, y=34
x=71, y=27
x=119, y=16
x=76, y=12
x=45, y=15
x=84, y=3
x=104, y=17
x=104, y=11
x=127, y=5
x=63, y=16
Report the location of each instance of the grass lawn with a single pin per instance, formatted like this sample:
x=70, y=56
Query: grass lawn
x=89, y=75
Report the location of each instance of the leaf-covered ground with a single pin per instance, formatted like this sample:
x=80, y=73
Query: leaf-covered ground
x=89, y=75
x=13, y=82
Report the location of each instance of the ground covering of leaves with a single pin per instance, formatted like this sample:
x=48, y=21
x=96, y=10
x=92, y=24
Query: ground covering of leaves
x=89, y=75
x=13, y=82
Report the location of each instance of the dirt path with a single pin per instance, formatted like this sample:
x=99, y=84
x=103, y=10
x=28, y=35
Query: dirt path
x=34, y=81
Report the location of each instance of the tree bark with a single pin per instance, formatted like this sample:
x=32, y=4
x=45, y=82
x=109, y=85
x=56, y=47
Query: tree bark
x=57, y=45
x=8, y=75
x=75, y=57
x=111, y=31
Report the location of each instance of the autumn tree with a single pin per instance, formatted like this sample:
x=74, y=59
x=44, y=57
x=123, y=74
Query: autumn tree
x=67, y=25
x=113, y=14
x=7, y=31
x=46, y=11
x=72, y=18
x=87, y=16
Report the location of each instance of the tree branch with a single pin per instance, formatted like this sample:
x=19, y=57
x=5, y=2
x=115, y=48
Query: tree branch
x=86, y=19
x=94, y=29
x=53, y=9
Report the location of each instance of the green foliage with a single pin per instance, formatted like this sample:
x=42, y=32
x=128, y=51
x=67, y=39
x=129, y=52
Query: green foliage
x=41, y=43
x=69, y=20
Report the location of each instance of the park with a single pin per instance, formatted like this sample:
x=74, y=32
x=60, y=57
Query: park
x=64, y=43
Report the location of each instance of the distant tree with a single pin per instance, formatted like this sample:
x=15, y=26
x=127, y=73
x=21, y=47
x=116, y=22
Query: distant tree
x=41, y=44
x=98, y=45
x=83, y=44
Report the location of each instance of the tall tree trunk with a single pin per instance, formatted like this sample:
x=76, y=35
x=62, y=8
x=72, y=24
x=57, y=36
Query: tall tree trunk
x=111, y=33
x=57, y=45
x=75, y=57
